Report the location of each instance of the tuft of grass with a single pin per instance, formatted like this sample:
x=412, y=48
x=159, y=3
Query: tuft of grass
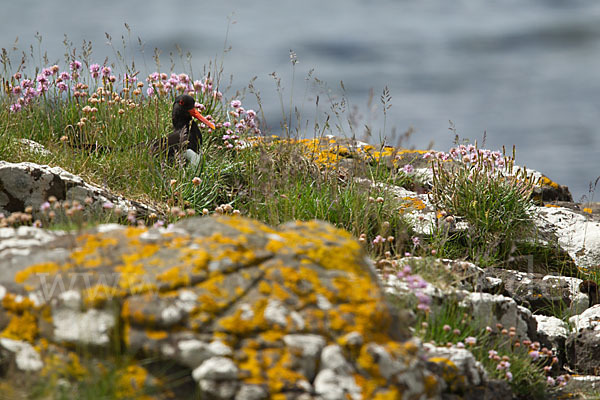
x=482, y=188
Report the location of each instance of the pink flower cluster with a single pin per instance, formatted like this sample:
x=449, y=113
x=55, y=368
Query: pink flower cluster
x=243, y=122
x=534, y=351
x=468, y=154
x=416, y=284
x=163, y=83
x=25, y=90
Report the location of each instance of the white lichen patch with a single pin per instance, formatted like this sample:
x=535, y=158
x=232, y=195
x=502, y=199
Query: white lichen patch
x=26, y=357
x=90, y=327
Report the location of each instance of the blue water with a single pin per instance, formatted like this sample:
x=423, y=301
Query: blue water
x=526, y=72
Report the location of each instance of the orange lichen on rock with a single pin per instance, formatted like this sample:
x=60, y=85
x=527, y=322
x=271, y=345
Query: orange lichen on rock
x=132, y=382
x=21, y=327
x=43, y=268
x=411, y=203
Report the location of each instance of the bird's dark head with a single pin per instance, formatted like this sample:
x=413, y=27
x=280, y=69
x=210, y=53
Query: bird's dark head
x=184, y=108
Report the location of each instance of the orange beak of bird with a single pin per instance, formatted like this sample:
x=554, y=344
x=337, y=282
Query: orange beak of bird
x=194, y=113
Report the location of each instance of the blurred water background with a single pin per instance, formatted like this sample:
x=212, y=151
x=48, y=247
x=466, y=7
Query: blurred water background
x=527, y=72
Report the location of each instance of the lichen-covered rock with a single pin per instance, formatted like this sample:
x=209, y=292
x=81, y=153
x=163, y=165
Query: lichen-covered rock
x=466, y=371
x=251, y=310
x=29, y=184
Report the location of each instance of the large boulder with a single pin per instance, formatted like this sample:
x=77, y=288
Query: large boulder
x=251, y=311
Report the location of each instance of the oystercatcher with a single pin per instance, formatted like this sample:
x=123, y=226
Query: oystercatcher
x=186, y=137
x=186, y=133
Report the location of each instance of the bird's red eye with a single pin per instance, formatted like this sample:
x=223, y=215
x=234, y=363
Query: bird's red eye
x=180, y=102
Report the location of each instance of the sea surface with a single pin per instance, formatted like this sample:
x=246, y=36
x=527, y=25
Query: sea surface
x=525, y=72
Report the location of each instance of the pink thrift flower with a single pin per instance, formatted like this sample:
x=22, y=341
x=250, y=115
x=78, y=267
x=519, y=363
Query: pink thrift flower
x=423, y=307
x=95, y=70
x=236, y=103
x=106, y=72
x=26, y=83
x=409, y=169
x=75, y=65
x=108, y=205
x=183, y=78
x=41, y=79
x=130, y=79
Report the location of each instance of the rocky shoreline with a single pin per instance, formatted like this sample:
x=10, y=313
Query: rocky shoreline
x=254, y=312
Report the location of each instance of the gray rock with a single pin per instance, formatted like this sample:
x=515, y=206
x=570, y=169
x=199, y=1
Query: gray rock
x=589, y=319
x=575, y=232
x=28, y=184
x=333, y=358
x=542, y=293
x=309, y=347
x=252, y=392
x=34, y=147
x=552, y=330
x=583, y=351
x=330, y=385
x=489, y=310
